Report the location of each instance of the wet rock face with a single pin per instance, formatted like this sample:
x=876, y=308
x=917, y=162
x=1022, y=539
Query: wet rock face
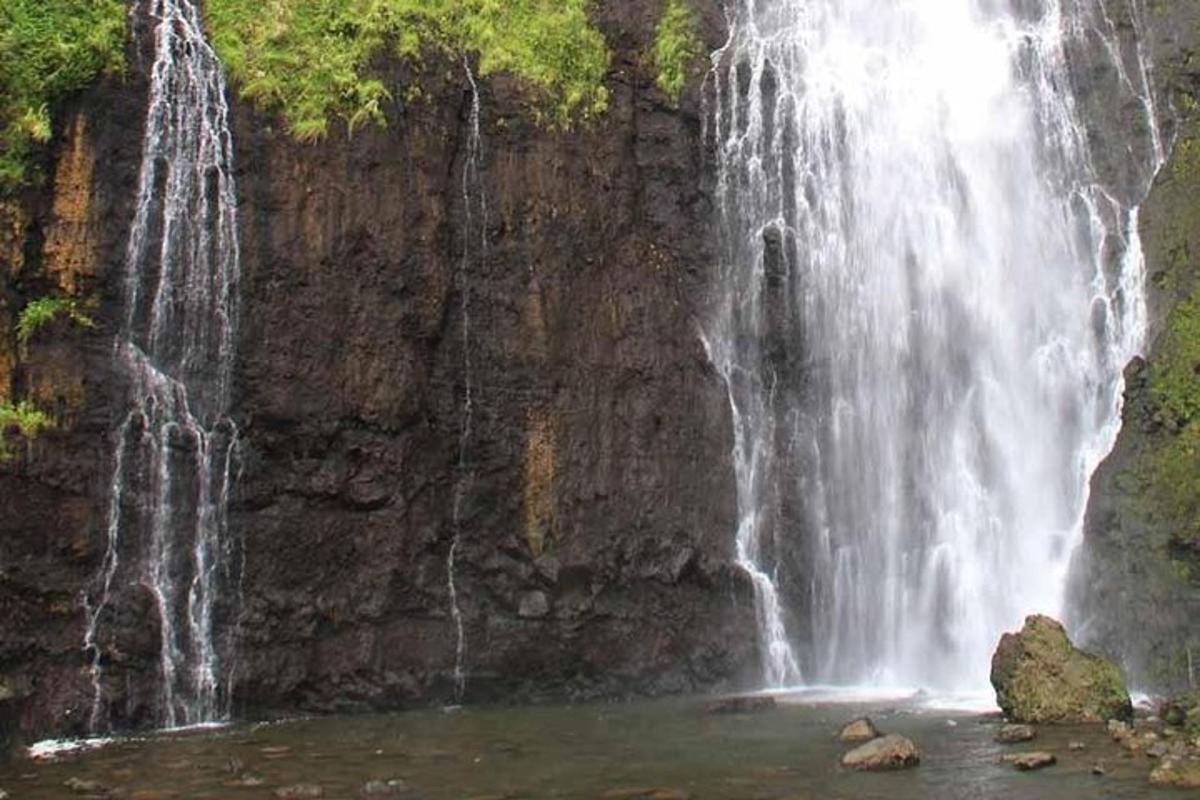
x=1039, y=677
x=1135, y=590
x=593, y=474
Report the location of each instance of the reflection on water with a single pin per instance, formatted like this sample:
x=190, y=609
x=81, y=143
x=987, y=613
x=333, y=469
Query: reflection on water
x=590, y=752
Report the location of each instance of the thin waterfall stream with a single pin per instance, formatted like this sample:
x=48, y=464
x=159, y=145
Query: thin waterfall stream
x=928, y=296
x=474, y=214
x=175, y=449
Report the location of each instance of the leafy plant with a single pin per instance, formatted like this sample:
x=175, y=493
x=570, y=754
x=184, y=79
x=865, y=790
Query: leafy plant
x=25, y=418
x=313, y=60
x=41, y=312
x=677, y=45
x=49, y=48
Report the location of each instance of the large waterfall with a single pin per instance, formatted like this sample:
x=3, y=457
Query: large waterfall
x=929, y=296
x=174, y=450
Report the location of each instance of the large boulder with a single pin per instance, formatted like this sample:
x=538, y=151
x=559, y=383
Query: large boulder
x=1039, y=677
x=887, y=752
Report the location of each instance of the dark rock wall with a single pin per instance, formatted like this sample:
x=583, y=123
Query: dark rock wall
x=1136, y=582
x=597, y=499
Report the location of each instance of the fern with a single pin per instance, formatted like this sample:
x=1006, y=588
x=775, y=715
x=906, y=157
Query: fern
x=41, y=312
x=677, y=45
x=25, y=419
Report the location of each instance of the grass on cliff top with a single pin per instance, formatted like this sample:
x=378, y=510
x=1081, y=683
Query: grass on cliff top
x=677, y=46
x=312, y=60
x=49, y=48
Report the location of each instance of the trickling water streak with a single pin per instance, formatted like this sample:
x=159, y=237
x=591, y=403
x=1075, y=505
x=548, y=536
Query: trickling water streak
x=922, y=326
x=172, y=453
x=472, y=194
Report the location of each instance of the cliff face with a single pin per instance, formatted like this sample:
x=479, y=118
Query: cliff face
x=1136, y=584
x=399, y=347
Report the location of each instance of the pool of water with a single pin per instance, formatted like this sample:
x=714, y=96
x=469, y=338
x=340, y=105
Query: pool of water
x=594, y=751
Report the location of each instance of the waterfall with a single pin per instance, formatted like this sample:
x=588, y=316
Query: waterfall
x=474, y=223
x=927, y=298
x=175, y=449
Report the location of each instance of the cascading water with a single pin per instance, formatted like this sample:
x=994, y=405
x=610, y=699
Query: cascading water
x=928, y=300
x=474, y=223
x=174, y=452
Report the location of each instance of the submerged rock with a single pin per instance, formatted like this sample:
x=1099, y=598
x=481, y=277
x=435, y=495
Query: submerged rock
x=1180, y=773
x=300, y=791
x=859, y=730
x=1036, y=759
x=646, y=793
x=1011, y=734
x=1039, y=676
x=741, y=704
x=887, y=752
x=80, y=786
x=390, y=788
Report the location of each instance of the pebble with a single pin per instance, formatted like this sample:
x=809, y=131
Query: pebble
x=859, y=730
x=1076, y=746
x=1098, y=768
x=300, y=791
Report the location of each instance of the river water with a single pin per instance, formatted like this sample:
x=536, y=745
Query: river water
x=595, y=751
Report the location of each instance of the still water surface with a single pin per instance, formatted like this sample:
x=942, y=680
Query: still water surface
x=594, y=751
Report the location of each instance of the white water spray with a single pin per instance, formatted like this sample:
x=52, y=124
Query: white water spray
x=922, y=326
x=174, y=451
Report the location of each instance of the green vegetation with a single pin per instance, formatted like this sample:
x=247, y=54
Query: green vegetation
x=313, y=60
x=1173, y=468
x=25, y=419
x=49, y=48
x=41, y=312
x=677, y=45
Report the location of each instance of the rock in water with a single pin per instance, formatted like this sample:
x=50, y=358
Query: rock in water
x=1178, y=773
x=1033, y=760
x=1039, y=676
x=300, y=791
x=1011, y=734
x=741, y=704
x=860, y=730
x=887, y=752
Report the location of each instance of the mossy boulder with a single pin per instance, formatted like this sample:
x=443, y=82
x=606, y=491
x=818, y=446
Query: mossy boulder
x=1183, y=711
x=1040, y=677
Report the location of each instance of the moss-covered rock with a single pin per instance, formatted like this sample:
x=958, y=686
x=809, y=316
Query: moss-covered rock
x=1039, y=676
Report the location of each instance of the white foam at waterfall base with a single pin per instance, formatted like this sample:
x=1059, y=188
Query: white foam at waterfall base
x=919, y=323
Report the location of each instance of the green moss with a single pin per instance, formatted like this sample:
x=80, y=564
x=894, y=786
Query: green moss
x=1040, y=677
x=41, y=312
x=23, y=418
x=313, y=60
x=49, y=48
x=677, y=46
